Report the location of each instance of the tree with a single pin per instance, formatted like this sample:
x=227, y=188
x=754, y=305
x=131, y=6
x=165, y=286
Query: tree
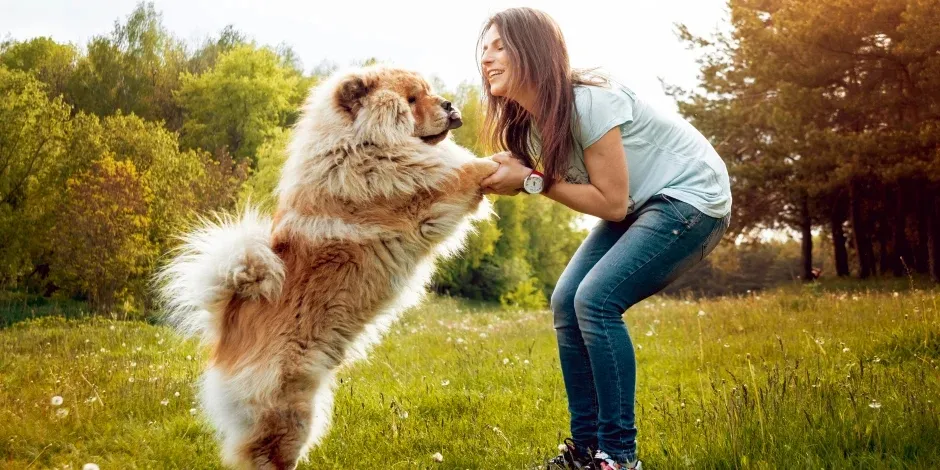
x=101, y=241
x=50, y=62
x=238, y=104
x=33, y=132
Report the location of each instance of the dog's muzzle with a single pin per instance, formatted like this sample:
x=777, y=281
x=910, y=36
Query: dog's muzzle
x=453, y=115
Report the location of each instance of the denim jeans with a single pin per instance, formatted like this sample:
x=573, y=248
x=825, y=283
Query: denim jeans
x=618, y=265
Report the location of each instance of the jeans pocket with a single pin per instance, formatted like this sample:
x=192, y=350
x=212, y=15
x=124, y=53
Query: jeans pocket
x=687, y=217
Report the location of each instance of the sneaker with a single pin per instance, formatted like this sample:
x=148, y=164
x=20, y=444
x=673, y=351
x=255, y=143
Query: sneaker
x=602, y=461
x=570, y=458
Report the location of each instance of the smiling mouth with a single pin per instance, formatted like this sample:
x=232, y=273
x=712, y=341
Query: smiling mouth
x=494, y=74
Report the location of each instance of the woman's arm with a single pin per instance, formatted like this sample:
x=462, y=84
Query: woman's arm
x=608, y=194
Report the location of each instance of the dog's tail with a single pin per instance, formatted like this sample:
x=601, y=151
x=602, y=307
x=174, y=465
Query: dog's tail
x=223, y=259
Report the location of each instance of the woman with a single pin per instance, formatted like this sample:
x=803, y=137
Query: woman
x=661, y=189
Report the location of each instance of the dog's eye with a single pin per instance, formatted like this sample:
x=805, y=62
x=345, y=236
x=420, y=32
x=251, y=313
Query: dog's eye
x=412, y=100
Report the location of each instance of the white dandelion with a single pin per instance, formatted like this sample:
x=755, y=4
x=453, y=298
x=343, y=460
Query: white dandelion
x=437, y=457
x=56, y=400
x=505, y=360
x=176, y=394
x=845, y=350
x=701, y=313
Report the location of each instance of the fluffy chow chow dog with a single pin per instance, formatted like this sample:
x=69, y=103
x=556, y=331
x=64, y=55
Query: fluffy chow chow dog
x=372, y=192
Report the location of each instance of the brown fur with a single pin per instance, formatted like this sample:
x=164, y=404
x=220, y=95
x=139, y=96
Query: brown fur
x=334, y=287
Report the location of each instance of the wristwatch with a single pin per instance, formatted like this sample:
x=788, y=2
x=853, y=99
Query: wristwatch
x=533, y=183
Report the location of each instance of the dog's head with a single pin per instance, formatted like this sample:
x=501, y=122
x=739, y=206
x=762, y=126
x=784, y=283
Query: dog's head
x=394, y=103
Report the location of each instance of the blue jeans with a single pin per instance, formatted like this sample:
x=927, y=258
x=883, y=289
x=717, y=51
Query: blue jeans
x=618, y=265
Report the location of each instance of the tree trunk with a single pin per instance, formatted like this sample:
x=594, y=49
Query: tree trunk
x=838, y=242
x=933, y=240
x=901, y=262
x=863, y=248
x=922, y=253
x=806, y=228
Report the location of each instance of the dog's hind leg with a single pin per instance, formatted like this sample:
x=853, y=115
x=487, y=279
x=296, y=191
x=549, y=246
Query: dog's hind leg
x=286, y=429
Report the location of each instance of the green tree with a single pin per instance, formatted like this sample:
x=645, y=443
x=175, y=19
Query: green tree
x=50, y=62
x=239, y=103
x=33, y=133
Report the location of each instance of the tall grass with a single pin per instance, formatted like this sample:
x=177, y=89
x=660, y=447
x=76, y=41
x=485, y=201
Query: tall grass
x=804, y=377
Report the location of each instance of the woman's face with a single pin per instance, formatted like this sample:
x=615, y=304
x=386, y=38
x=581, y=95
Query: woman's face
x=495, y=61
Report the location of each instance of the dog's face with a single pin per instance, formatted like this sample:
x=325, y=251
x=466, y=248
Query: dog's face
x=401, y=97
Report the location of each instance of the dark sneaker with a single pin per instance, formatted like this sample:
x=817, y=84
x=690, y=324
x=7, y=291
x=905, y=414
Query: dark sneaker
x=570, y=458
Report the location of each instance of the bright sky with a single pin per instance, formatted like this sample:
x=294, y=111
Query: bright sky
x=635, y=41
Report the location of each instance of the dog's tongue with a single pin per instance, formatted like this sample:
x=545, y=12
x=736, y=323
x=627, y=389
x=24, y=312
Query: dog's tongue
x=454, y=120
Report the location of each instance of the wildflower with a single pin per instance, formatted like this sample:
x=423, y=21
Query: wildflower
x=192, y=411
x=130, y=379
x=445, y=383
x=727, y=345
x=165, y=402
x=876, y=359
x=189, y=358
x=62, y=412
x=896, y=294
x=505, y=360
x=649, y=333
x=102, y=350
x=437, y=457
x=111, y=328
x=845, y=349
x=176, y=394
x=91, y=466
x=526, y=362
x=460, y=341
x=874, y=404
x=701, y=313
x=482, y=335
x=56, y=400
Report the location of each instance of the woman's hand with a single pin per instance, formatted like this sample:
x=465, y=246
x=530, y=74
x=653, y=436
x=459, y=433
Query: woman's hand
x=508, y=178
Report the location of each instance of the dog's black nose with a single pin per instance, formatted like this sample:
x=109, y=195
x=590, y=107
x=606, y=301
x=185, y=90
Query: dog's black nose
x=446, y=105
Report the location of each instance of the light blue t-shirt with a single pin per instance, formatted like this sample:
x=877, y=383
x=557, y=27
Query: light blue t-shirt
x=665, y=154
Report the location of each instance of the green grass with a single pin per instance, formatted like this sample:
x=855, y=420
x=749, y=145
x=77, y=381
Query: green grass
x=797, y=378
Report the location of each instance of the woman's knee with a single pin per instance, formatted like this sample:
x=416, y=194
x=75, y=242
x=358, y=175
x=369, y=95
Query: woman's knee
x=595, y=301
x=562, y=305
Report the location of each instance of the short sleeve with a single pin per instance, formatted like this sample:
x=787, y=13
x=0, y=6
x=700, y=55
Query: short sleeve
x=599, y=110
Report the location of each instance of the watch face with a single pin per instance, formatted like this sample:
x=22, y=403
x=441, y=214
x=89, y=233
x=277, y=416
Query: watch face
x=533, y=184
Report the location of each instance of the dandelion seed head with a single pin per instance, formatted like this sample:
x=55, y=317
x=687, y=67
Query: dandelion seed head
x=56, y=400
x=701, y=313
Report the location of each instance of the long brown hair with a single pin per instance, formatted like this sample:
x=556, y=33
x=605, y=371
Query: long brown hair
x=539, y=59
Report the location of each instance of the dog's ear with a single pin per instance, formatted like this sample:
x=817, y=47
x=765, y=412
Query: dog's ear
x=350, y=93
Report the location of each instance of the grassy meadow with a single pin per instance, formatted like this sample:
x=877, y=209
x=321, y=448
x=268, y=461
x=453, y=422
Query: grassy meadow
x=816, y=376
